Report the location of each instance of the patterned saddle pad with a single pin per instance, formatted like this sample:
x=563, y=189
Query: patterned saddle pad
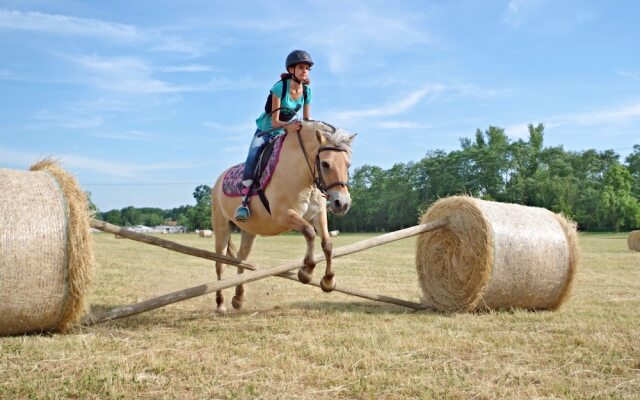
x=232, y=182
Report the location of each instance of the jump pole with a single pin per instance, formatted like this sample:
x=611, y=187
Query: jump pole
x=255, y=274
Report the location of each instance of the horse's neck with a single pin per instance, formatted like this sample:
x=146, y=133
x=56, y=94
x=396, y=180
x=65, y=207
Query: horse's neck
x=299, y=168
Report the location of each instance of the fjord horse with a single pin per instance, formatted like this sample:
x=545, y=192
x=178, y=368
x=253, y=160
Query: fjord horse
x=312, y=172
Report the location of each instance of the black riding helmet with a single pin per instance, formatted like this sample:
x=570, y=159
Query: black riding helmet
x=297, y=57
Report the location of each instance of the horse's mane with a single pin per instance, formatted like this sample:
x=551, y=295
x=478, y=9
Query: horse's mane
x=337, y=137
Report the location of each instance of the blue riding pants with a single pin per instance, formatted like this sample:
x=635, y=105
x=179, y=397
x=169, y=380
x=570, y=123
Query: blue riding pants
x=257, y=145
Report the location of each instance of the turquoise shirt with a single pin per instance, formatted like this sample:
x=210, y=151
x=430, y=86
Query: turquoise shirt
x=264, y=120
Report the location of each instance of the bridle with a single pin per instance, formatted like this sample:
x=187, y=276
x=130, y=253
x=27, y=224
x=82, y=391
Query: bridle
x=318, y=179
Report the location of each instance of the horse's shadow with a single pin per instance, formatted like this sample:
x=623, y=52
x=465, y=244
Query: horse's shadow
x=178, y=319
x=356, y=307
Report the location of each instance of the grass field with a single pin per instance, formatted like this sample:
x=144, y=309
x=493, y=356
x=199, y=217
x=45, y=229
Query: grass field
x=293, y=341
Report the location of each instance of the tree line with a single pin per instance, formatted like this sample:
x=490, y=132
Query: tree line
x=594, y=188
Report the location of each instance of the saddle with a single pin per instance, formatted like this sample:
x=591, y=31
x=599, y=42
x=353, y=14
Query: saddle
x=267, y=162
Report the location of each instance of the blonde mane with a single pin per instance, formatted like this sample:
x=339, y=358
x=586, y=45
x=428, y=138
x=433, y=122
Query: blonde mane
x=337, y=137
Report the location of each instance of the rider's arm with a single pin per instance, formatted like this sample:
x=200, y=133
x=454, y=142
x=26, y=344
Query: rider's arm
x=306, y=111
x=275, y=116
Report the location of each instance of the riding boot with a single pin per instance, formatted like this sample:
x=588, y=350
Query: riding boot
x=242, y=212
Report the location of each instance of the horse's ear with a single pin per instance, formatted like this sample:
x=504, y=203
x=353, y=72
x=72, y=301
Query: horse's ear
x=350, y=138
x=320, y=137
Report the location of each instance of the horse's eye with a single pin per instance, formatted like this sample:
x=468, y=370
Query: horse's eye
x=325, y=165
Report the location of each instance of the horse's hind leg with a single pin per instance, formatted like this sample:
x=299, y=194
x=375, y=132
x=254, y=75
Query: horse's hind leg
x=223, y=234
x=246, y=243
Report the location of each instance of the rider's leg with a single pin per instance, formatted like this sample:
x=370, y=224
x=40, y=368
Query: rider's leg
x=257, y=144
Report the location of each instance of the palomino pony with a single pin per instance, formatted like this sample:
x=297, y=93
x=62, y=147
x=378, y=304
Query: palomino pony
x=312, y=171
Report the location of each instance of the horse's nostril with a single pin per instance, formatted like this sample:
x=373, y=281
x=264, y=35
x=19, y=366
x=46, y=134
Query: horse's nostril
x=337, y=204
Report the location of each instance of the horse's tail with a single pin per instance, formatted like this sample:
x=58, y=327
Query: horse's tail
x=231, y=249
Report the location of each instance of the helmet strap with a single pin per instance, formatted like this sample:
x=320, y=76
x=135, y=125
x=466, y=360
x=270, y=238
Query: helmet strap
x=293, y=74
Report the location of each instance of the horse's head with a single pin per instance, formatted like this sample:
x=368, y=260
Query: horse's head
x=332, y=164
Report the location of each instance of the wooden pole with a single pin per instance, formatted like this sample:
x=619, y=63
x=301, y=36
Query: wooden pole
x=168, y=244
x=257, y=274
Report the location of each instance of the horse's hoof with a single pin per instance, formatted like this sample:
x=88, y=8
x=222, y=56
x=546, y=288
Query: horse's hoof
x=328, y=284
x=237, y=302
x=221, y=309
x=304, y=276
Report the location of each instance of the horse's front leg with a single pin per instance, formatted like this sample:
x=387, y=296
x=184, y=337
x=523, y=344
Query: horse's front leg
x=328, y=282
x=293, y=220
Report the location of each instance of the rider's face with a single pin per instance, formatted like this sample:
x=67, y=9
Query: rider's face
x=301, y=71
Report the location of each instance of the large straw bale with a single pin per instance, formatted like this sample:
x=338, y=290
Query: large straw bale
x=634, y=240
x=45, y=250
x=495, y=256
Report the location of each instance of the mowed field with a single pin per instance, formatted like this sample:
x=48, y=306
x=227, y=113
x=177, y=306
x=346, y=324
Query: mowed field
x=294, y=341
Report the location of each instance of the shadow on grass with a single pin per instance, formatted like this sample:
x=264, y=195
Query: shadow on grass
x=361, y=307
x=168, y=317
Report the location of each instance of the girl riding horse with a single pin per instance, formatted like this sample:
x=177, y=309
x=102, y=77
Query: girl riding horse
x=288, y=95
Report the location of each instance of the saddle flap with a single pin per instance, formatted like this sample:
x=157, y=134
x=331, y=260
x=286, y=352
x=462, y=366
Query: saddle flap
x=267, y=162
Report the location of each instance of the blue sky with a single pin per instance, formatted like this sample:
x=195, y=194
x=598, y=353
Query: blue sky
x=144, y=100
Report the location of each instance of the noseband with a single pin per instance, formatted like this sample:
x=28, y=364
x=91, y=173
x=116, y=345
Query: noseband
x=318, y=180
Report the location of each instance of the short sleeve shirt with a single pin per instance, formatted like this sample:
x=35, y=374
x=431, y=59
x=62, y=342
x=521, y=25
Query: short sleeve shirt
x=264, y=120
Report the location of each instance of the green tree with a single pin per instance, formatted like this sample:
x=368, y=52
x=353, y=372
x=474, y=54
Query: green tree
x=618, y=208
x=199, y=217
x=633, y=164
x=131, y=216
x=113, y=217
x=488, y=162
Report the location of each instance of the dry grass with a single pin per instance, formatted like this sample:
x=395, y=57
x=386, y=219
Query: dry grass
x=293, y=341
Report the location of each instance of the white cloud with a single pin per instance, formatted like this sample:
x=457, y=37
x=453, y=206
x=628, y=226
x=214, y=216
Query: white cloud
x=78, y=164
x=617, y=115
x=123, y=74
x=614, y=116
x=518, y=131
x=396, y=125
x=89, y=27
x=63, y=24
x=189, y=68
x=555, y=18
x=118, y=169
x=389, y=109
x=407, y=102
x=364, y=34
x=130, y=135
x=247, y=129
x=519, y=11
x=50, y=118
x=627, y=74
x=352, y=38
x=5, y=73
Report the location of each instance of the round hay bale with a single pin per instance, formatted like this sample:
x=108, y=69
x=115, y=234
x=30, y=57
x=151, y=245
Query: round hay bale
x=205, y=233
x=633, y=241
x=45, y=250
x=495, y=256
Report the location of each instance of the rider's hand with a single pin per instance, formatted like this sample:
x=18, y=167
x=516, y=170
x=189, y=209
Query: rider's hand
x=294, y=125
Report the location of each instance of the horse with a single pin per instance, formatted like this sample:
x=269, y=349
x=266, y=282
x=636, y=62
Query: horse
x=312, y=172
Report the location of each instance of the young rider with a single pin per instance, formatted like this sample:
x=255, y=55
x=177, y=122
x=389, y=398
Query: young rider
x=270, y=124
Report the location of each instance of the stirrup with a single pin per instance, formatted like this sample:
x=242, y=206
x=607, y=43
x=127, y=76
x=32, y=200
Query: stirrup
x=242, y=213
